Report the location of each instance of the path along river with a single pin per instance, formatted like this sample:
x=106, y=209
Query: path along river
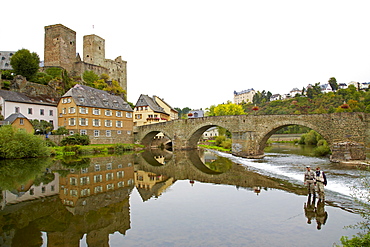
x=168, y=201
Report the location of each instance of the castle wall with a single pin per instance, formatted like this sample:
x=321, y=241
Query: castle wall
x=60, y=46
x=117, y=71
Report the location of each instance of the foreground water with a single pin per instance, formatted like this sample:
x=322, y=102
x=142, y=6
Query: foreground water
x=182, y=199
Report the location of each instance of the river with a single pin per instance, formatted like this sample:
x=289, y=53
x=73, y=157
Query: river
x=158, y=198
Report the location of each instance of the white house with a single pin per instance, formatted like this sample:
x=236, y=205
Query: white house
x=39, y=108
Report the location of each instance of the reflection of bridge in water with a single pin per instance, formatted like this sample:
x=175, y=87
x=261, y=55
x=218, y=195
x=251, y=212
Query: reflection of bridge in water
x=182, y=165
x=92, y=200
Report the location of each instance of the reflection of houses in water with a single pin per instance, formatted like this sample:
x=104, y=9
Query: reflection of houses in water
x=150, y=184
x=30, y=191
x=103, y=175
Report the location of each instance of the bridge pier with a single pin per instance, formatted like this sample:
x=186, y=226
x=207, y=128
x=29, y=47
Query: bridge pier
x=348, y=151
x=244, y=144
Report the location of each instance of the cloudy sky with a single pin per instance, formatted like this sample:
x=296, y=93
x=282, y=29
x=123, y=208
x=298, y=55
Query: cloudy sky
x=196, y=53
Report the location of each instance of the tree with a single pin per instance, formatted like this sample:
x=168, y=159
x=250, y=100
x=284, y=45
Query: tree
x=228, y=109
x=90, y=77
x=42, y=126
x=333, y=84
x=17, y=143
x=25, y=63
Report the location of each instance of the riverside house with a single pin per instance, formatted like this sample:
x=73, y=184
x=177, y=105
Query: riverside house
x=152, y=110
x=104, y=117
x=36, y=107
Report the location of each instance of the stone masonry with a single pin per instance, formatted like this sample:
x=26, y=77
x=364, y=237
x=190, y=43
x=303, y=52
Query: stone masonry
x=60, y=51
x=348, y=134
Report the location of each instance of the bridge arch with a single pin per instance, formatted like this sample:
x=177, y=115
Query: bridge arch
x=275, y=127
x=198, y=131
x=148, y=137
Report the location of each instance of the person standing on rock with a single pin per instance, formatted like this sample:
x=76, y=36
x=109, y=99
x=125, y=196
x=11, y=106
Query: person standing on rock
x=310, y=181
x=320, y=183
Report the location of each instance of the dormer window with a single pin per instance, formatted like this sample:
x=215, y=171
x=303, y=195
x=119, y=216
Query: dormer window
x=81, y=99
x=105, y=102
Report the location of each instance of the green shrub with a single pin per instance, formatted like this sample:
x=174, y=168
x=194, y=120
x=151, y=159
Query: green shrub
x=75, y=139
x=219, y=140
x=16, y=143
x=226, y=144
x=321, y=150
x=356, y=241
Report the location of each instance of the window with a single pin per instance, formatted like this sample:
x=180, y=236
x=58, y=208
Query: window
x=96, y=122
x=83, y=122
x=84, y=180
x=138, y=116
x=83, y=110
x=119, y=124
x=118, y=114
x=108, y=133
x=109, y=166
x=96, y=133
x=119, y=132
x=109, y=176
x=42, y=112
x=128, y=132
x=129, y=114
x=81, y=99
x=30, y=111
x=98, y=178
x=21, y=121
x=71, y=110
x=120, y=174
x=73, y=192
x=110, y=186
x=108, y=113
x=16, y=109
x=120, y=184
x=85, y=192
x=52, y=188
x=73, y=181
x=105, y=102
x=98, y=189
x=71, y=132
x=115, y=103
x=97, y=168
x=83, y=132
x=64, y=111
x=51, y=113
x=96, y=111
x=72, y=122
x=108, y=123
x=32, y=191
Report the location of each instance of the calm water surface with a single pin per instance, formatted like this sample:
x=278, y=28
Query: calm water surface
x=174, y=199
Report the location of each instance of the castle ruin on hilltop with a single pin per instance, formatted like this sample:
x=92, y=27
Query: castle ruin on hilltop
x=60, y=51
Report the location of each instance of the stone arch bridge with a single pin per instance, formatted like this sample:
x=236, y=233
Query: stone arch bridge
x=348, y=134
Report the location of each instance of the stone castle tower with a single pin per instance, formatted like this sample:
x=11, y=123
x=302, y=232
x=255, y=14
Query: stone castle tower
x=60, y=51
x=60, y=47
x=94, y=50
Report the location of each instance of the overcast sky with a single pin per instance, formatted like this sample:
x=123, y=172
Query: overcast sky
x=196, y=53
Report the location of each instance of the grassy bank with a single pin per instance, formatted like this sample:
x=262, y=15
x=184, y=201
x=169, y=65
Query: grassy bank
x=95, y=149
